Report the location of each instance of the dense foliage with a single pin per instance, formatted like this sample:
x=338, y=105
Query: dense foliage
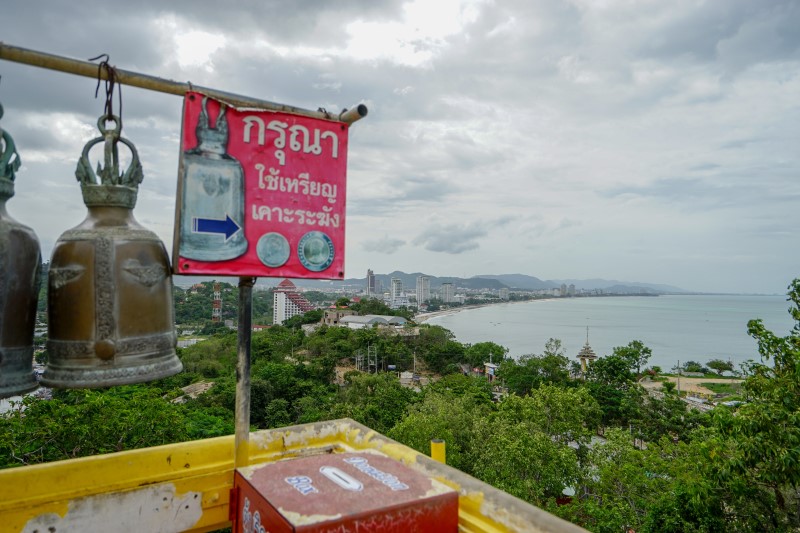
x=596, y=449
x=193, y=305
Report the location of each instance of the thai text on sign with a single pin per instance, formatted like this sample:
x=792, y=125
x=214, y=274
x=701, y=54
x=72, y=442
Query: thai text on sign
x=260, y=193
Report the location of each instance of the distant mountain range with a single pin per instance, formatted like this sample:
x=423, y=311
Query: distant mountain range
x=483, y=281
x=522, y=281
x=601, y=283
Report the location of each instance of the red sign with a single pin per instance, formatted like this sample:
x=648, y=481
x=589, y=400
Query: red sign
x=260, y=193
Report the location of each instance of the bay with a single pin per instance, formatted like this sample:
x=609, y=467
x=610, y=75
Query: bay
x=675, y=327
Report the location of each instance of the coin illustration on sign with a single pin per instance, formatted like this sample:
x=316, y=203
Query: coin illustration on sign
x=315, y=251
x=273, y=249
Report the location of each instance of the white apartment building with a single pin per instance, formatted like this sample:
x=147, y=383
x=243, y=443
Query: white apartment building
x=288, y=302
x=423, y=289
x=396, y=289
x=448, y=293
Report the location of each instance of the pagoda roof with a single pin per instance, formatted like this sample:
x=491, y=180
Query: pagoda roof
x=286, y=284
x=586, y=352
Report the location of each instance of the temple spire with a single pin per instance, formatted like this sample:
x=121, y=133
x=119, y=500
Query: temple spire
x=586, y=354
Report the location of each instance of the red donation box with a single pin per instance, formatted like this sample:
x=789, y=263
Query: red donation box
x=358, y=492
x=260, y=193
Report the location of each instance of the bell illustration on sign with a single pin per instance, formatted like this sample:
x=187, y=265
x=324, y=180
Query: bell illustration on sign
x=213, y=195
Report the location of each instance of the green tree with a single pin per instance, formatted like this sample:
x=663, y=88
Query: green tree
x=613, y=370
x=262, y=306
x=666, y=416
x=484, y=352
x=88, y=422
x=373, y=306
x=720, y=366
x=477, y=388
x=564, y=414
x=454, y=418
x=611, y=382
x=693, y=366
x=617, y=487
x=525, y=462
x=636, y=353
x=761, y=440
x=309, y=317
x=193, y=306
x=375, y=400
x=553, y=348
x=531, y=371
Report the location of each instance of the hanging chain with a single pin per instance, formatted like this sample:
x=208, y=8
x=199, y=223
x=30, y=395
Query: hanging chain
x=111, y=83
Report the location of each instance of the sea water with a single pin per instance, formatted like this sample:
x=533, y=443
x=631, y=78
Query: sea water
x=676, y=328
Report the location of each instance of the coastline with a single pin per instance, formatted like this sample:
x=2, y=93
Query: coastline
x=715, y=327
x=423, y=317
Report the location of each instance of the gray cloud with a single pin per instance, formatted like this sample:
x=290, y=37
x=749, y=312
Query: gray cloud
x=695, y=193
x=668, y=123
x=384, y=245
x=451, y=239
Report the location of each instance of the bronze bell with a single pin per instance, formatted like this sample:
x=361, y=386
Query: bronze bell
x=111, y=317
x=20, y=261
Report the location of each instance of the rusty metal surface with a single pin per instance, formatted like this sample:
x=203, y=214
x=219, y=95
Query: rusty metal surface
x=110, y=285
x=20, y=263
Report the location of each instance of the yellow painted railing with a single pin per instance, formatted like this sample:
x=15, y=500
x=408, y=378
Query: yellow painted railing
x=185, y=486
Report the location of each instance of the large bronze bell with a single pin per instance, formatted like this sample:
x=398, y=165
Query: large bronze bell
x=20, y=261
x=111, y=317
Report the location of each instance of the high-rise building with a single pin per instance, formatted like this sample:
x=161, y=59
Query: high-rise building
x=396, y=290
x=288, y=302
x=423, y=289
x=397, y=298
x=371, y=288
x=448, y=292
x=505, y=294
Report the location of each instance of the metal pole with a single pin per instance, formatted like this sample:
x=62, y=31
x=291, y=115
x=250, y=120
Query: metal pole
x=153, y=83
x=241, y=451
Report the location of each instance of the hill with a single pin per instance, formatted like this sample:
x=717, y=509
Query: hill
x=482, y=281
x=520, y=281
x=611, y=285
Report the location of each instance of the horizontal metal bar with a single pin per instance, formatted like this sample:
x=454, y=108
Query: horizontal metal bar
x=153, y=83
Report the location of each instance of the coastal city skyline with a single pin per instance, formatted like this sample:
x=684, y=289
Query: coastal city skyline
x=634, y=141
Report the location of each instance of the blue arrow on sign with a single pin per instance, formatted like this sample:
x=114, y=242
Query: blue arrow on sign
x=227, y=227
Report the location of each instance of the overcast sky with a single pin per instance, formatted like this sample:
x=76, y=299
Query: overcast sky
x=642, y=141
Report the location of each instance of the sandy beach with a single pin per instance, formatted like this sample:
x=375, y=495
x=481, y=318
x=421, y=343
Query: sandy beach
x=423, y=317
